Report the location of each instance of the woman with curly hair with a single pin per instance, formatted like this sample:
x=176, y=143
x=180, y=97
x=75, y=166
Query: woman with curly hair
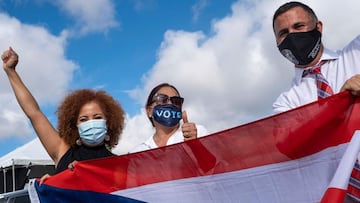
x=89, y=122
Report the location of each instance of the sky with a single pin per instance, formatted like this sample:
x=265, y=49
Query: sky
x=220, y=54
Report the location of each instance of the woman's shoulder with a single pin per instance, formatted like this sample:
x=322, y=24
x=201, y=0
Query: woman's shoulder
x=201, y=130
x=148, y=144
x=81, y=153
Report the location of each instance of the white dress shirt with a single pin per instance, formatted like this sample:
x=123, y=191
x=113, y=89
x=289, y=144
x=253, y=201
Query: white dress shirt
x=177, y=137
x=342, y=65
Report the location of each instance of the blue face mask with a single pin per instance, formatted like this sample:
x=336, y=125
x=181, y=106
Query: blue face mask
x=167, y=114
x=92, y=132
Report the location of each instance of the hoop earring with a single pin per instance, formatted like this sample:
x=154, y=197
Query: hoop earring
x=107, y=138
x=78, y=142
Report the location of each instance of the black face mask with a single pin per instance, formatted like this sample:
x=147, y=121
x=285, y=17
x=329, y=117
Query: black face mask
x=301, y=48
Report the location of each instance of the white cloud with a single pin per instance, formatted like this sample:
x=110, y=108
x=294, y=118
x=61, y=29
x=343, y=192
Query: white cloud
x=142, y=5
x=198, y=8
x=90, y=16
x=232, y=76
x=137, y=130
x=42, y=66
x=228, y=77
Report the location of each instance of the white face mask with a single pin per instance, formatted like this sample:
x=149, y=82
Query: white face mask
x=92, y=132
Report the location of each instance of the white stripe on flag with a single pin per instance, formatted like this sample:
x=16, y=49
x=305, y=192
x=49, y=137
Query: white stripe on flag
x=302, y=180
x=343, y=173
x=32, y=192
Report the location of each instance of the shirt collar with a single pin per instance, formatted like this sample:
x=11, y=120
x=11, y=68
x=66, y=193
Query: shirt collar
x=327, y=55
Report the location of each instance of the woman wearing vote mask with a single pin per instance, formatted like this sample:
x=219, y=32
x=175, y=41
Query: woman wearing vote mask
x=89, y=122
x=164, y=110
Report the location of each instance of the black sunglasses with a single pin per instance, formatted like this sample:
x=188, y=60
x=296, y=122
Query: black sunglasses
x=163, y=99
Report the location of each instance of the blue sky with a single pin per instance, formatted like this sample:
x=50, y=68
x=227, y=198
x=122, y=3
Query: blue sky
x=220, y=54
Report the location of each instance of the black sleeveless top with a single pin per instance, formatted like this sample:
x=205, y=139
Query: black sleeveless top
x=81, y=153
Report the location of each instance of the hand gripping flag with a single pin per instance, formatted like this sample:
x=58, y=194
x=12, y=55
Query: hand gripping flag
x=288, y=157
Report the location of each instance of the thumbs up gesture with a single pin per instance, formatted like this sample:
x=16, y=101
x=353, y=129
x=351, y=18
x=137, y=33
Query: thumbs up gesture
x=188, y=128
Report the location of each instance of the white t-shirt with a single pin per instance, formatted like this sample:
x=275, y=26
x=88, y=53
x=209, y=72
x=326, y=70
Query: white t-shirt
x=177, y=137
x=341, y=66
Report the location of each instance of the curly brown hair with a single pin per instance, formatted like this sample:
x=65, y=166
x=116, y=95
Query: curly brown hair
x=69, y=109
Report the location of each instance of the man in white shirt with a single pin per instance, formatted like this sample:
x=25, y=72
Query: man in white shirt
x=298, y=36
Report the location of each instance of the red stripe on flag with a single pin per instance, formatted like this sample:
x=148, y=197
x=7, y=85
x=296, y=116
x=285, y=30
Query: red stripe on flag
x=290, y=135
x=333, y=195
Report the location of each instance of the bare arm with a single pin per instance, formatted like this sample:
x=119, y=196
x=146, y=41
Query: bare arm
x=47, y=134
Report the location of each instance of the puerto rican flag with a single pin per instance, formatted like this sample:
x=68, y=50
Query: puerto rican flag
x=295, y=156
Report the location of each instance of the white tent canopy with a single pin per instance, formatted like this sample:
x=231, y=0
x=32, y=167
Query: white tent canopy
x=32, y=152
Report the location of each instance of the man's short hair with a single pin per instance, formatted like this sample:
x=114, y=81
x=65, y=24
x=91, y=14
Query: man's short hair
x=289, y=5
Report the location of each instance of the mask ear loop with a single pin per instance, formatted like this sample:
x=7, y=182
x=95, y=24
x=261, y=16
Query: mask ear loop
x=150, y=117
x=151, y=120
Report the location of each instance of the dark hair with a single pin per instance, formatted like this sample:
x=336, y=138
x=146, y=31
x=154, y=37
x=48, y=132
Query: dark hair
x=153, y=92
x=289, y=5
x=69, y=109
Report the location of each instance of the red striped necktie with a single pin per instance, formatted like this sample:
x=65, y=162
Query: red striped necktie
x=323, y=88
x=353, y=190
